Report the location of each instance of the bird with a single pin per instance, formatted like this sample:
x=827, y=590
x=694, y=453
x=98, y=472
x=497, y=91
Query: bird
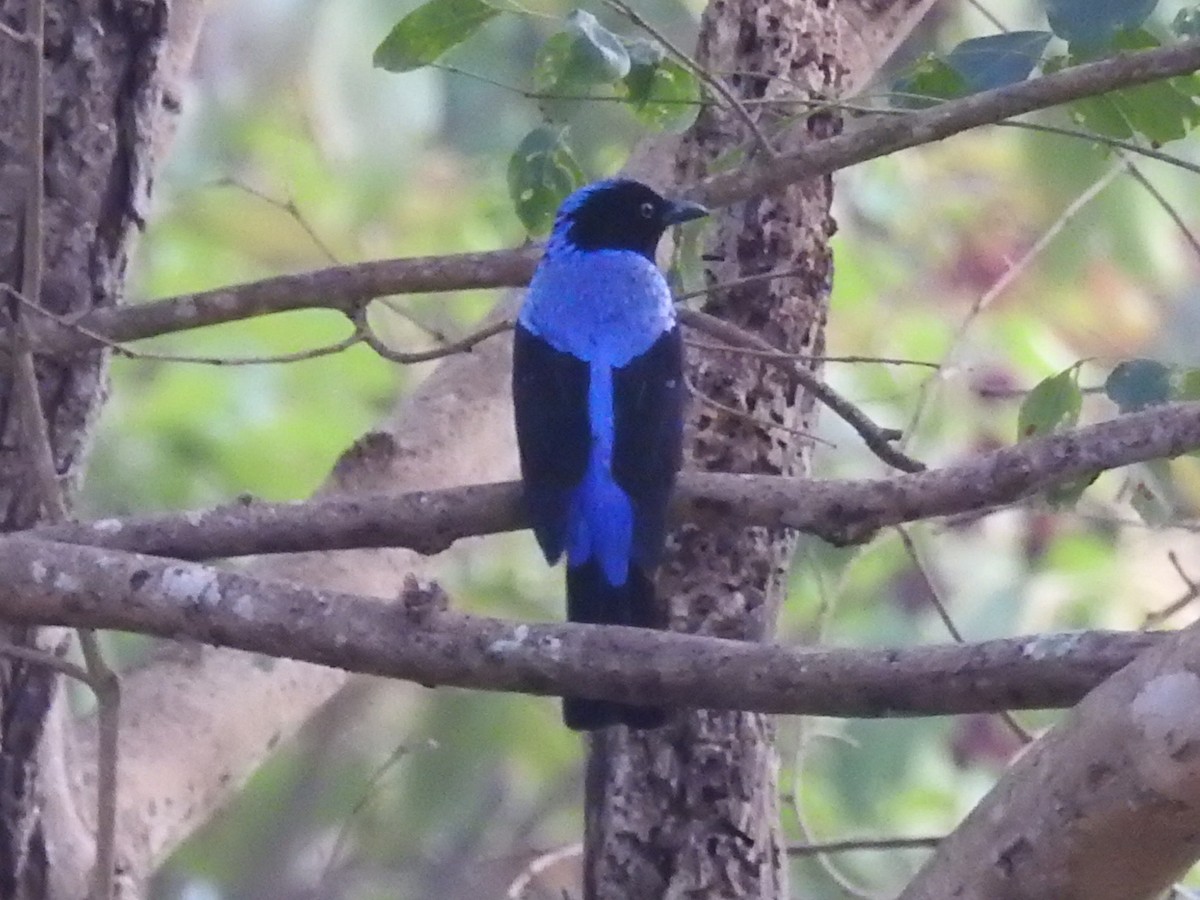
x=598, y=397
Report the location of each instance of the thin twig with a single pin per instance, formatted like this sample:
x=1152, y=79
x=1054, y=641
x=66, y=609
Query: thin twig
x=401, y=751
x=935, y=597
x=1167, y=207
x=987, y=14
x=822, y=104
x=45, y=658
x=744, y=416
x=1192, y=591
x=849, y=846
x=462, y=345
x=288, y=207
x=700, y=72
x=806, y=357
x=739, y=282
x=1014, y=271
x=876, y=438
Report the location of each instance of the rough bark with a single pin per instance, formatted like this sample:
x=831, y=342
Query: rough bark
x=1106, y=806
x=690, y=810
x=103, y=92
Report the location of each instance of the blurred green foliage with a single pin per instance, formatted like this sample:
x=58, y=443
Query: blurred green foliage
x=286, y=112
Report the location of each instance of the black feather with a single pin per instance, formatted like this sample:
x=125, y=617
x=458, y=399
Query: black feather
x=550, y=390
x=648, y=401
x=591, y=599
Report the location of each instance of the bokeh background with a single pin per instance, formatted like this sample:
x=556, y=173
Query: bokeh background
x=294, y=152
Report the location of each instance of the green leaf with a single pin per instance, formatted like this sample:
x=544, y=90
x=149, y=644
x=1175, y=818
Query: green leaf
x=1137, y=383
x=1187, y=385
x=541, y=173
x=429, y=31
x=1094, y=23
x=599, y=52
x=661, y=92
x=550, y=63
x=930, y=82
x=1162, y=111
x=1102, y=116
x=1053, y=404
x=584, y=55
x=997, y=60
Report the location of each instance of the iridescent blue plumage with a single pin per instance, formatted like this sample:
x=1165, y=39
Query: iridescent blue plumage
x=598, y=392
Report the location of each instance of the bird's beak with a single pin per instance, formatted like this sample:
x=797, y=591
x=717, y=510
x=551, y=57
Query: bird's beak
x=684, y=211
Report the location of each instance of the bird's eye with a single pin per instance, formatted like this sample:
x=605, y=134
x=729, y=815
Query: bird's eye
x=647, y=210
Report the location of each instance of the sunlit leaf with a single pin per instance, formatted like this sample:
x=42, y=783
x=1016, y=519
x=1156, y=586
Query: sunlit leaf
x=429, y=31
x=1137, y=383
x=541, y=173
x=661, y=92
x=1053, y=404
x=931, y=81
x=550, y=64
x=1094, y=23
x=599, y=53
x=584, y=55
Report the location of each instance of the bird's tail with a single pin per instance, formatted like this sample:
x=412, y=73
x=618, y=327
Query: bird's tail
x=591, y=599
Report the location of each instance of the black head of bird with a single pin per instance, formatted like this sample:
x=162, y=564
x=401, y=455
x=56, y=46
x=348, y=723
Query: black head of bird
x=619, y=214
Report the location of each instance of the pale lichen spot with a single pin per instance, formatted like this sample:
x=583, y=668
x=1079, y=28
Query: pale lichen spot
x=107, y=526
x=39, y=571
x=190, y=584
x=1051, y=646
x=243, y=606
x=501, y=646
x=66, y=583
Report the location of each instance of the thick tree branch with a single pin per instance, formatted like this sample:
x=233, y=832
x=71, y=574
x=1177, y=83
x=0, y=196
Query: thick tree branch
x=345, y=287
x=416, y=639
x=836, y=510
x=1105, y=806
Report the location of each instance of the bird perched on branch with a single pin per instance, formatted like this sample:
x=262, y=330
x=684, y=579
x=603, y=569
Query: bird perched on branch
x=598, y=391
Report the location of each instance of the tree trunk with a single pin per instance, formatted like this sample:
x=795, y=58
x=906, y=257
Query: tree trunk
x=103, y=105
x=691, y=810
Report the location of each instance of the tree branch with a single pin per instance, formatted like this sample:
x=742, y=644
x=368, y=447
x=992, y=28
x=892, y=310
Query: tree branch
x=345, y=287
x=340, y=288
x=1104, y=806
x=417, y=640
x=840, y=511
x=880, y=138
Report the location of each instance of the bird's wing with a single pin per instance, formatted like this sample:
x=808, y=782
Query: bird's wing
x=550, y=397
x=648, y=404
